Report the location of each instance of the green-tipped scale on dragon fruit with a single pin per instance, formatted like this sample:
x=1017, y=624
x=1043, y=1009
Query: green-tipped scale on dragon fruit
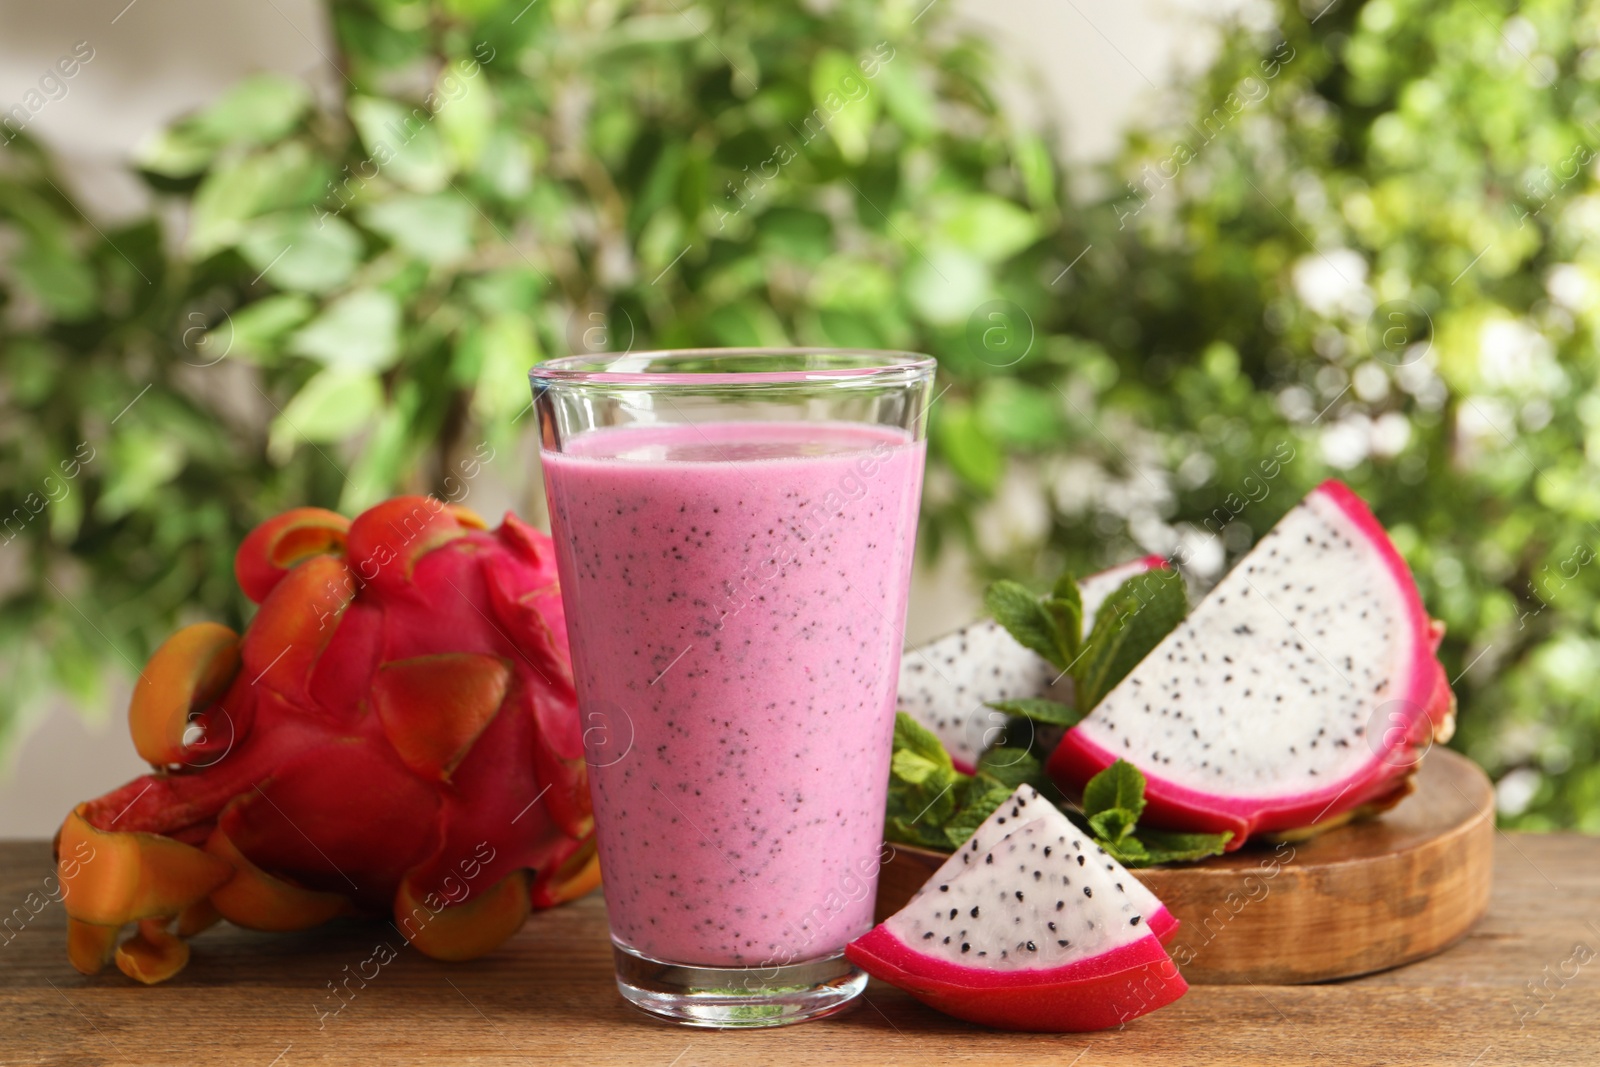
x=1037, y=929
x=1301, y=692
x=946, y=685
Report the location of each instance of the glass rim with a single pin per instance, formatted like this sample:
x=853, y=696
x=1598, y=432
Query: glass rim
x=851, y=365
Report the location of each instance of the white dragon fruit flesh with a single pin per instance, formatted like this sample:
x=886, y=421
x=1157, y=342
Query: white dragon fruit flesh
x=1303, y=690
x=1026, y=805
x=945, y=684
x=1036, y=929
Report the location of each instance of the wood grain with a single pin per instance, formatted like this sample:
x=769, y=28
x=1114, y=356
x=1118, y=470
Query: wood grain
x=1351, y=901
x=547, y=998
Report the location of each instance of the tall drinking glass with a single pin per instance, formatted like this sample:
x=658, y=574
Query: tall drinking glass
x=734, y=532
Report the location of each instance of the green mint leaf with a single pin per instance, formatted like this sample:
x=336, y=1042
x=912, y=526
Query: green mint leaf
x=921, y=812
x=983, y=795
x=1118, y=786
x=1025, y=619
x=1049, y=712
x=1130, y=624
x=915, y=769
x=923, y=786
x=1012, y=767
x=912, y=736
x=1162, y=846
x=1129, y=852
x=1064, y=605
x=1113, y=824
x=922, y=833
x=1066, y=588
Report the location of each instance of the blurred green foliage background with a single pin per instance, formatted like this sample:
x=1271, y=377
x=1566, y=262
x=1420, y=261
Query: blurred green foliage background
x=1364, y=242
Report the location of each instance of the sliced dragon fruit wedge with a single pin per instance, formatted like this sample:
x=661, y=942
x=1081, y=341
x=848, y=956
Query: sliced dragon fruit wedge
x=1301, y=692
x=944, y=684
x=1037, y=931
x=1027, y=805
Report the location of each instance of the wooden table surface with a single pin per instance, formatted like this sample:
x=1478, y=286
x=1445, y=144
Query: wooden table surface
x=547, y=997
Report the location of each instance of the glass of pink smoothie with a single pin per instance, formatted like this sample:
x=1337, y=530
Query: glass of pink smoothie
x=734, y=530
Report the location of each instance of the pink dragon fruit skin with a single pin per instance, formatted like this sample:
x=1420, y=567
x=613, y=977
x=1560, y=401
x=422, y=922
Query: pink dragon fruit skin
x=1310, y=744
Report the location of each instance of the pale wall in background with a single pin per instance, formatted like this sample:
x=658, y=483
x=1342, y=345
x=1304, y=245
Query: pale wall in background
x=155, y=59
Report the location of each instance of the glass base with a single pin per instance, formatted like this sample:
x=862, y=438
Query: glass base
x=737, y=997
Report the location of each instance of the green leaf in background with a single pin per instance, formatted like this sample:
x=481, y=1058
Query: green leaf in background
x=746, y=324
x=295, y=250
x=257, y=331
x=260, y=110
x=436, y=229
x=506, y=165
x=510, y=348
x=907, y=100
x=333, y=405
x=466, y=111
x=990, y=228
x=964, y=445
x=175, y=153
x=401, y=143
x=358, y=332
x=391, y=446
x=31, y=365
x=1037, y=169
x=1129, y=625
x=843, y=103
x=58, y=277
x=239, y=190
x=139, y=461
x=1013, y=412
x=944, y=284
x=848, y=282
x=803, y=235
x=1040, y=710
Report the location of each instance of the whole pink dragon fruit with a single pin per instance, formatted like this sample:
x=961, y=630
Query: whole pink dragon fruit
x=396, y=733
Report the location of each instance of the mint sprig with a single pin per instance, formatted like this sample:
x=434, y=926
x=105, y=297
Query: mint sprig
x=1131, y=622
x=1134, y=619
x=1041, y=710
x=933, y=805
x=1114, y=800
x=923, y=784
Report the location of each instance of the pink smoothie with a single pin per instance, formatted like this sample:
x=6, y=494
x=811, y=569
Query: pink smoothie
x=735, y=595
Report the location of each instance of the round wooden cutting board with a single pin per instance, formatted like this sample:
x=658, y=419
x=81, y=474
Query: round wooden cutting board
x=1361, y=898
